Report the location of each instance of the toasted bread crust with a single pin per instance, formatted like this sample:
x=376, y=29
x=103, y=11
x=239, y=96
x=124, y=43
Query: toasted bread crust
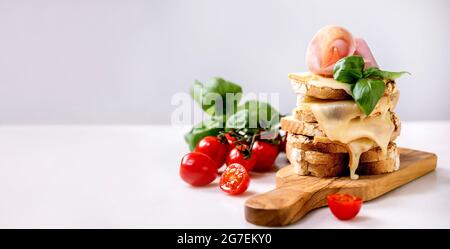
x=321, y=144
x=304, y=113
x=317, y=155
x=303, y=167
x=307, y=89
x=329, y=165
x=294, y=126
x=379, y=167
x=322, y=92
x=308, y=143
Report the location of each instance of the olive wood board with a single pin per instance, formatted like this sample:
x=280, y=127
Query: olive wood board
x=295, y=195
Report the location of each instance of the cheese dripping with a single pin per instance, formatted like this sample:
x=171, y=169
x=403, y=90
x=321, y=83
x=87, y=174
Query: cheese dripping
x=343, y=121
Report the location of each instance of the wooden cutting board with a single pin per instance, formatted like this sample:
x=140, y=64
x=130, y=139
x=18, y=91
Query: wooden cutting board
x=294, y=195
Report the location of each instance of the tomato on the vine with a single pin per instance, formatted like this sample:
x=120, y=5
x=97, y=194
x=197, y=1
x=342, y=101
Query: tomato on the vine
x=265, y=154
x=237, y=156
x=344, y=206
x=214, y=148
x=198, y=169
x=235, y=179
x=230, y=139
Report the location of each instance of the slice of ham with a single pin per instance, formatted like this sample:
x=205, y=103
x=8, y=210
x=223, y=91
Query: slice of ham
x=363, y=50
x=332, y=43
x=329, y=44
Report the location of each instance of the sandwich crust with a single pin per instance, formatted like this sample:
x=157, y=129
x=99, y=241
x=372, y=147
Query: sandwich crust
x=292, y=125
x=319, y=157
x=335, y=164
x=304, y=113
x=304, y=87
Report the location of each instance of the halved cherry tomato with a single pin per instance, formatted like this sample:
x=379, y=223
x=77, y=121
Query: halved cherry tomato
x=344, y=206
x=212, y=147
x=198, y=169
x=265, y=154
x=237, y=156
x=235, y=179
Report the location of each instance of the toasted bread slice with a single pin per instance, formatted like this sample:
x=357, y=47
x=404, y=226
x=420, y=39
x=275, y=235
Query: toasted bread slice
x=292, y=125
x=302, y=85
x=319, y=157
x=388, y=165
x=335, y=164
x=308, y=143
x=303, y=111
x=321, y=144
x=303, y=167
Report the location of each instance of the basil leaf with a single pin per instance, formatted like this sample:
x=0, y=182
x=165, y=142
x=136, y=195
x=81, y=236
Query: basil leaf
x=374, y=72
x=349, y=69
x=217, y=97
x=198, y=132
x=253, y=114
x=367, y=93
x=261, y=114
x=238, y=120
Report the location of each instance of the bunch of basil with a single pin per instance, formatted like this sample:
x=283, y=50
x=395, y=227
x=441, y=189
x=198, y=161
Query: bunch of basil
x=220, y=99
x=367, y=85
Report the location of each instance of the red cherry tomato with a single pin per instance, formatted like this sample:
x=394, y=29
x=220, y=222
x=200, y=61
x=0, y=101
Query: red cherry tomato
x=236, y=156
x=212, y=147
x=235, y=179
x=198, y=169
x=231, y=141
x=265, y=154
x=344, y=206
x=230, y=138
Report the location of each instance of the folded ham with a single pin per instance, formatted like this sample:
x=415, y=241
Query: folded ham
x=332, y=43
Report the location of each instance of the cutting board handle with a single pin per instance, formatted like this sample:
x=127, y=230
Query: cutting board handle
x=287, y=203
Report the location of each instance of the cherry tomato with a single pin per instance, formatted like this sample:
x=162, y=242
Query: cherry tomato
x=198, y=169
x=344, y=206
x=212, y=147
x=265, y=154
x=230, y=138
x=233, y=143
x=235, y=179
x=237, y=156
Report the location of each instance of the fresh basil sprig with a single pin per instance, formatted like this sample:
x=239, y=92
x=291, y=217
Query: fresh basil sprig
x=349, y=69
x=220, y=99
x=367, y=85
x=373, y=72
x=253, y=114
x=211, y=96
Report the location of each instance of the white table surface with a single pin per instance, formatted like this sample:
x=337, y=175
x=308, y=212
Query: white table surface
x=127, y=177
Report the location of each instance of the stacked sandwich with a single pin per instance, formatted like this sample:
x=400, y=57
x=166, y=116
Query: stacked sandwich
x=334, y=130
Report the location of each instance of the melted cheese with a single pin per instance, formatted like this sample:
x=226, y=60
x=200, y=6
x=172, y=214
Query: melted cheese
x=355, y=149
x=316, y=80
x=344, y=122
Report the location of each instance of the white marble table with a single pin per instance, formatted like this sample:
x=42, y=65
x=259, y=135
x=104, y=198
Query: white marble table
x=127, y=177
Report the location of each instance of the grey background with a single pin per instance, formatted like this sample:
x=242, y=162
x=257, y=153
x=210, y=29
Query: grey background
x=121, y=61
